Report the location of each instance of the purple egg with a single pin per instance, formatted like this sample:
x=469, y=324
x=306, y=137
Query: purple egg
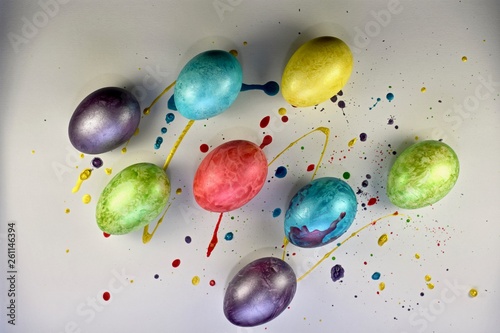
x=104, y=120
x=259, y=292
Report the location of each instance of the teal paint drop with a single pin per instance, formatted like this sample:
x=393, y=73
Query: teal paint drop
x=271, y=88
x=390, y=97
x=276, y=212
x=376, y=276
x=229, y=236
x=281, y=172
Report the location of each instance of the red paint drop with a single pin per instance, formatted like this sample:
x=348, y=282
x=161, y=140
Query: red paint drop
x=266, y=141
x=310, y=167
x=214, y=240
x=106, y=234
x=176, y=263
x=212, y=283
x=106, y=296
x=284, y=119
x=265, y=121
x=372, y=201
x=204, y=148
x=365, y=263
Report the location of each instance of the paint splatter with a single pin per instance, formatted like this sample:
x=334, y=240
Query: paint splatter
x=108, y=171
x=265, y=121
x=423, y=89
x=464, y=59
x=473, y=293
x=67, y=210
x=363, y=137
x=156, y=276
x=282, y=111
x=351, y=143
x=276, y=212
x=106, y=235
x=163, y=130
x=430, y=286
x=204, y=148
x=229, y=236
x=195, y=280
x=212, y=283
x=427, y=278
x=381, y=286
x=376, y=276
x=382, y=240
x=389, y=96
x=281, y=172
x=176, y=263
x=337, y=272
x=284, y=119
x=97, y=162
x=214, y=240
x=178, y=191
x=417, y=256
x=187, y=239
x=271, y=88
x=310, y=167
x=106, y=296
x=267, y=140
x=170, y=117
x=376, y=102
x=346, y=175
x=86, y=198
x=84, y=175
x=372, y=201
x=124, y=150
x=159, y=141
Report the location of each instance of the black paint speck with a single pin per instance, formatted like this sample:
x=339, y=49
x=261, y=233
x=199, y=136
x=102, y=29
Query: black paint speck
x=364, y=183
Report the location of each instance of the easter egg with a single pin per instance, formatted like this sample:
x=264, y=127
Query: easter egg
x=208, y=84
x=320, y=212
x=230, y=176
x=132, y=199
x=316, y=71
x=422, y=175
x=259, y=292
x=104, y=120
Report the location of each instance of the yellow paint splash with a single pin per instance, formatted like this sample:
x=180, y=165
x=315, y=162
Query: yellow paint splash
x=148, y=109
x=473, y=293
x=67, y=250
x=427, y=278
x=178, y=191
x=423, y=89
x=324, y=130
x=464, y=59
x=124, y=149
x=177, y=143
x=282, y=111
x=285, y=243
x=32, y=151
x=108, y=171
x=382, y=240
x=351, y=143
x=430, y=285
x=354, y=234
x=146, y=236
x=195, y=280
x=67, y=210
x=381, y=286
x=84, y=175
x=417, y=256
x=86, y=198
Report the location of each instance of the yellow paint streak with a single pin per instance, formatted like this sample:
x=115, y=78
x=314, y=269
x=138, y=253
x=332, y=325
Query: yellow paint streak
x=148, y=109
x=351, y=143
x=324, y=130
x=177, y=143
x=146, y=236
x=83, y=177
x=327, y=255
x=285, y=243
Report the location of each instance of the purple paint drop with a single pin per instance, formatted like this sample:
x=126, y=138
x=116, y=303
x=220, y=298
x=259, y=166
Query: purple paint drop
x=337, y=272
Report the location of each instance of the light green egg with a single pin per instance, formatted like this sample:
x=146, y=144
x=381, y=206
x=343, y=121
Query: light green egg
x=422, y=175
x=132, y=199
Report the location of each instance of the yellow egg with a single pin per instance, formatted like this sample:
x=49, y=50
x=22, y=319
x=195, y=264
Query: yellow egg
x=316, y=71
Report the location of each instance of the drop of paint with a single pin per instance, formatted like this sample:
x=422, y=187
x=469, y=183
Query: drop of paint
x=212, y=283
x=163, y=130
x=187, y=239
x=276, y=212
x=176, y=263
x=170, y=117
x=97, y=162
x=346, y=175
x=341, y=104
x=284, y=119
x=363, y=137
x=364, y=183
x=266, y=141
x=310, y=167
x=156, y=276
x=390, y=97
x=337, y=272
x=281, y=172
x=229, y=236
x=265, y=121
x=204, y=148
x=376, y=276
x=106, y=296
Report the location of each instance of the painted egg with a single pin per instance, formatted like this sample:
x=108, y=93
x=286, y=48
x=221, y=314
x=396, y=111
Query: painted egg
x=208, y=84
x=422, y=175
x=104, y=120
x=318, y=70
x=320, y=212
x=230, y=176
x=132, y=199
x=259, y=292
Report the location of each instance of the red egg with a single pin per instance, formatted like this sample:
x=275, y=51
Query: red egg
x=230, y=176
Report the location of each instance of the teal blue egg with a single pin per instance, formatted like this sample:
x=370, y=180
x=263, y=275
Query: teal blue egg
x=320, y=212
x=208, y=85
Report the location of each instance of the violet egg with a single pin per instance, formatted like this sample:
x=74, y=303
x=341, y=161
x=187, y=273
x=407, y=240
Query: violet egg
x=104, y=120
x=259, y=292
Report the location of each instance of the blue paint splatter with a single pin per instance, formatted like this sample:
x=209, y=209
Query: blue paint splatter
x=163, y=130
x=276, y=212
x=187, y=239
x=376, y=276
x=170, y=117
x=374, y=105
x=390, y=97
x=281, y=172
x=337, y=272
x=171, y=103
x=159, y=141
x=229, y=236
x=271, y=88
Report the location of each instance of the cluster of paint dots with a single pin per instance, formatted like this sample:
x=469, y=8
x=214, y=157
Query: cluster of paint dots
x=170, y=117
x=335, y=99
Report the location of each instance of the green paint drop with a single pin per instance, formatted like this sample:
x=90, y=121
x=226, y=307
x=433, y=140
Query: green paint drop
x=346, y=175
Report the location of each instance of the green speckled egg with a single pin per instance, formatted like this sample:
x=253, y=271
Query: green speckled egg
x=422, y=175
x=132, y=199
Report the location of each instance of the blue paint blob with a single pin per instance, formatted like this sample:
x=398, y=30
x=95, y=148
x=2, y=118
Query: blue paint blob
x=376, y=276
x=187, y=239
x=374, y=105
x=163, y=130
x=170, y=117
x=171, y=103
x=271, y=88
x=276, y=212
x=229, y=236
x=156, y=276
x=159, y=141
x=337, y=272
x=390, y=97
x=363, y=137
x=281, y=172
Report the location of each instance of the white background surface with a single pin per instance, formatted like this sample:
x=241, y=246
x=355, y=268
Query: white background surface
x=142, y=45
